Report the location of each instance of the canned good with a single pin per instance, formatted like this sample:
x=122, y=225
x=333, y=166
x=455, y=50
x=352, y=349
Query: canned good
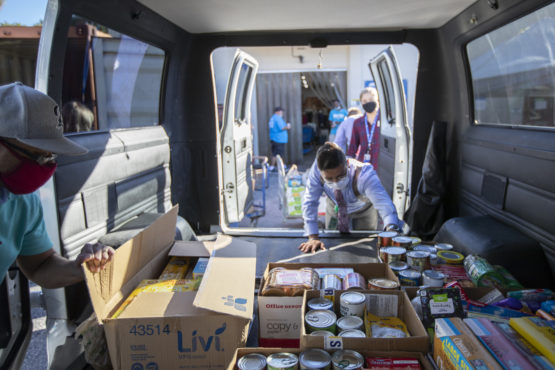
x=349, y=322
x=402, y=241
x=433, y=259
x=320, y=320
x=252, y=361
x=418, y=260
x=426, y=248
x=415, y=240
x=398, y=266
x=444, y=246
x=320, y=304
x=433, y=278
x=392, y=254
x=322, y=333
x=352, y=304
x=315, y=359
x=347, y=359
x=354, y=280
x=331, y=281
x=352, y=333
x=382, y=284
x=450, y=257
x=481, y=272
x=410, y=277
x=282, y=361
x=385, y=238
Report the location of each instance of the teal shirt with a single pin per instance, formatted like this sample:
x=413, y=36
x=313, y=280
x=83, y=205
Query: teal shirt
x=22, y=229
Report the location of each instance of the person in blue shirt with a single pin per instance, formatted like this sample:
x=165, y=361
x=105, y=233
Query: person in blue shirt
x=31, y=134
x=278, y=135
x=354, y=188
x=337, y=115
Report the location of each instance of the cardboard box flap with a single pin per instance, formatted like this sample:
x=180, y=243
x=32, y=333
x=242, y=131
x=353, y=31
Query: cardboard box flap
x=228, y=283
x=192, y=248
x=132, y=262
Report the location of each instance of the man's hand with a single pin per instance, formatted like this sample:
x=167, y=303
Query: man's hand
x=96, y=255
x=312, y=245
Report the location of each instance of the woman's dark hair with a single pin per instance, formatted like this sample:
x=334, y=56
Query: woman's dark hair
x=330, y=156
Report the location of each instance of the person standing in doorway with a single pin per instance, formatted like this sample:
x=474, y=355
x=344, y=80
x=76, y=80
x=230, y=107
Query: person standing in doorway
x=365, y=140
x=336, y=116
x=278, y=135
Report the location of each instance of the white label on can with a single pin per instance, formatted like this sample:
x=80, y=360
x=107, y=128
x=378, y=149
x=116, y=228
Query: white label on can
x=383, y=305
x=333, y=342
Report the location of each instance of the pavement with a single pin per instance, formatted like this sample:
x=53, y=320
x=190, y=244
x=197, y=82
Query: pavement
x=35, y=358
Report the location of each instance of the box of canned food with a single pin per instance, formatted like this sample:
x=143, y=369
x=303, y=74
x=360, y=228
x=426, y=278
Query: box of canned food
x=315, y=358
x=377, y=319
x=283, y=284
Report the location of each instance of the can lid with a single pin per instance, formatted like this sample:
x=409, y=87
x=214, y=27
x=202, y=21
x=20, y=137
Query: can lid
x=444, y=247
x=314, y=358
x=402, y=239
x=352, y=297
x=252, y=361
x=418, y=254
x=398, y=265
x=349, y=322
x=425, y=247
x=347, y=359
x=320, y=303
x=352, y=333
x=410, y=273
x=322, y=333
x=394, y=250
x=384, y=283
x=282, y=359
x=388, y=234
x=451, y=256
x=432, y=274
x=320, y=318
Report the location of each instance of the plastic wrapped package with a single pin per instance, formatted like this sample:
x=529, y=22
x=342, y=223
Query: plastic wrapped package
x=285, y=282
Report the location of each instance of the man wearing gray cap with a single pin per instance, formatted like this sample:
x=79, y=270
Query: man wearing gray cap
x=31, y=135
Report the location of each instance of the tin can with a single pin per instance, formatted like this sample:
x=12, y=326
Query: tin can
x=450, y=257
x=331, y=281
x=320, y=304
x=349, y=322
x=320, y=320
x=322, y=333
x=382, y=284
x=347, y=360
x=418, y=260
x=385, y=238
x=415, y=240
x=315, y=359
x=352, y=333
x=352, y=304
x=433, y=278
x=354, y=280
x=481, y=272
x=410, y=277
x=398, y=266
x=444, y=246
x=433, y=259
x=392, y=254
x=426, y=248
x=252, y=361
x=282, y=361
x=402, y=241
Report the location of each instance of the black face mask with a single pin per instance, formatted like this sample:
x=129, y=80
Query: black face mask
x=370, y=106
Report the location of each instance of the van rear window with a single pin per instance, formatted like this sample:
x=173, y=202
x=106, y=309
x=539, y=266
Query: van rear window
x=513, y=72
x=111, y=80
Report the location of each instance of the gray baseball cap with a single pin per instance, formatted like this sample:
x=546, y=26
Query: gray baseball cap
x=35, y=119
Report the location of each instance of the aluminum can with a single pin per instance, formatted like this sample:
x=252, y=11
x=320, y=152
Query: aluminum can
x=347, y=360
x=398, y=266
x=315, y=359
x=402, y=241
x=444, y=246
x=320, y=320
x=385, y=238
x=282, y=361
x=392, y=254
x=450, y=257
x=352, y=333
x=382, y=284
x=418, y=260
x=433, y=278
x=352, y=304
x=331, y=281
x=252, y=361
x=415, y=240
x=322, y=333
x=426, y=248
x=349, y=322
x=320, y=304
x=354, y=280
x=410, y=277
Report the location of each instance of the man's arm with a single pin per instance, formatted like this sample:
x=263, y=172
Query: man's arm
x=311, y=200
x=355, y=142
x=370, y=185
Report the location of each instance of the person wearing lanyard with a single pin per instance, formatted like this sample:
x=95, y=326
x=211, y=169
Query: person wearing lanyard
x=365, y=140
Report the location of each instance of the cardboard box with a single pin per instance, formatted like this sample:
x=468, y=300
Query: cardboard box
x=280, y=318
x=417, y=342
x=185, y=330
x=455, y=347
x=422, y=359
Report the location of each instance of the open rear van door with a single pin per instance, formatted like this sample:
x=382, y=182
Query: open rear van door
x=235, y=140
x=395, y=138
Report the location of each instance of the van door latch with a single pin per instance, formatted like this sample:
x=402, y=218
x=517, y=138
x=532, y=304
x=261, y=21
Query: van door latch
x=400, y=188
x=229, y=188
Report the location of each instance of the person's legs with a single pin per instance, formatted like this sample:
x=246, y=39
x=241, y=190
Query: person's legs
x=273, y=158
x=331, y=216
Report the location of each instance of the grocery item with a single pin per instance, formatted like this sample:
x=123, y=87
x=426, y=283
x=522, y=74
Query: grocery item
x=443, y=246
x=385, y=327
x=418, y=260
x=252, y=361
x=433, y=278
x=381, y=363
x=341, y=272
x=385, y=238
x=398, y=266
x=540, y=333
x=285, y=282
x=382, y=284
x=531, y=294
x=347, y=360
x=200, y=268
x=331, y=281
x=392, y=254
x=315, y=359
x=350, y=322
x=320, y=304
x=282, y=361
x=402, y=241
x=450, y=257
x=482, y=273
x=354, y=280
x=409, y=277
x=440, y=303
x=352, y=333
x=176, y=268
x=320, y=320
x=322, y=333
x=426, y=248
x=352, y=304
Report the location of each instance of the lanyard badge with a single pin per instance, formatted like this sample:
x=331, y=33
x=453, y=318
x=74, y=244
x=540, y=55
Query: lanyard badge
x=369, y=137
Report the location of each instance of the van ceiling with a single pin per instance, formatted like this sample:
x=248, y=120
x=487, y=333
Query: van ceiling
x=215, y=16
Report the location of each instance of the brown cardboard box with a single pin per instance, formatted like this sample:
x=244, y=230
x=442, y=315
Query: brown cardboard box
x=417, y=342
x=183, y=330
x=240, y=352
x=280, y=317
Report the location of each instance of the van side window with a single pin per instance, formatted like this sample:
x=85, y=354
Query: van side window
x=513, y=72
x=110, y=80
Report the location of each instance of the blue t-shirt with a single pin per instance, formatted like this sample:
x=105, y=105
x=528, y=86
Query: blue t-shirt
x=278, y=133
x=22, y=230
x=337, y=115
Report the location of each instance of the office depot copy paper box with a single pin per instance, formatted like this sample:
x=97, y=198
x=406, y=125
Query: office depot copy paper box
x=170, y=330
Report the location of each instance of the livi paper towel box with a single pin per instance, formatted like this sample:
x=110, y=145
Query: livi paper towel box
x=169, y=330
